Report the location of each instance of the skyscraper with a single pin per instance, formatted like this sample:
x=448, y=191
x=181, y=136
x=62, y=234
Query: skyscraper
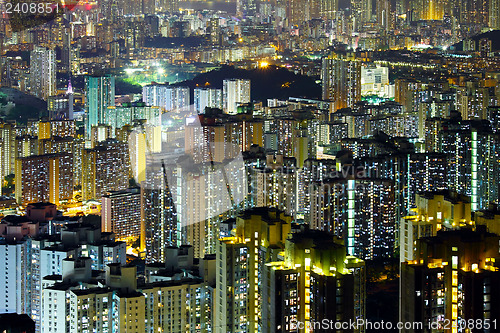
x=296, y=12
x=303, y=289
x=274, y=185
x=235, y=92
x=494, y=14
x=105, y=168
x=158, y=211
x=432, y=9
x=121, y=214
x=127, y=113
x=170, y=6
x=473, y=158
x=44, y=178
x=13, y=272
x=56, y=128
x=42, y=72
x=26, y=145
x=472, y=12
x=384, y=14
x=131, y=8
x=137, y=152
x=362, y=12
x=261, y=232
x=100, y=94
x=74, y=301
x=361, y=211
x=299, y=272
x=435, y=211
x=50, y=258
x=327, y=9
x=207, y=97
x=59, y=106
x=452, y=279
x=177, y=99
x=341, y=76
x=7, y=148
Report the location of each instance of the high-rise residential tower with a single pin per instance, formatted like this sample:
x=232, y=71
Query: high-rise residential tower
x=170, y=98
x=44, y=178
x=100, y=94
x=246, y=8
x=494, y=14
x=297, y=272
x=121, y=214
x=207, y=97
x=43, y=72
x=453, y=278
x=341, y=76
x=105, y=168
x=235, y=92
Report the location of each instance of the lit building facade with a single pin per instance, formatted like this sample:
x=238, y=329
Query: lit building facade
x=434, y=211
x=494, y=14
x=39, y=256
x=361, y=211
x=7, y=139
x=121, y=214
x=43, y=72
x=260, y=235
x=234, y=93
x=158, y=210
x=105, y=168
x=126, y=114
x=263, y=261
x=275, y=184
x=44, y=178
x=341, y=77
x=169, y=98
x=452, y=279
x=473, y=161
x=75, y=302
x=99, y=95
x=305, y=286
x=207, y=97
x=15, y=293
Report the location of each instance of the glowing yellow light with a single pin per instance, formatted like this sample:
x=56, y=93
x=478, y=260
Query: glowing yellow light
x=264, y=64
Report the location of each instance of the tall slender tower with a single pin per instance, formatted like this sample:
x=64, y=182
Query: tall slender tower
x=100, y=93
x=341, y=76
x=362, y=12
x=42, y=72
x=384, y=14
x=69, y=92
x=235, y=91
x=494, y=14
